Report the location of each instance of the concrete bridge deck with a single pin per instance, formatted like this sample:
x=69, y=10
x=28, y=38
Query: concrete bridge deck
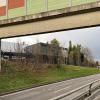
x=85, y=15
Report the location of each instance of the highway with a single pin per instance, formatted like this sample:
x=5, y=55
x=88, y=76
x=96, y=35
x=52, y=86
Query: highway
x=48, y=92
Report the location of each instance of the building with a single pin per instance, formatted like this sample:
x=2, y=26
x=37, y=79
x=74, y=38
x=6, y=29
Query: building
x=47, y=54
x=11, y=50
x=41, y=53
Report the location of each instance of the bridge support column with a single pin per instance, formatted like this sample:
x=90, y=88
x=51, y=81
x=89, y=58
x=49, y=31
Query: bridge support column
x=0, y=55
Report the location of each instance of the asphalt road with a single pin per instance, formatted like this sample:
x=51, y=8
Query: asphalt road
x=50, y=91
x=97, y=98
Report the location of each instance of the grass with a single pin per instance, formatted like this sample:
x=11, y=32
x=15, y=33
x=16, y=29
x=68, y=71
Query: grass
x=14, y=80
x=37, y=6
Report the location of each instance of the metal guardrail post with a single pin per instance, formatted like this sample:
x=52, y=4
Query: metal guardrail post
x=90, y=89
x=73, y=91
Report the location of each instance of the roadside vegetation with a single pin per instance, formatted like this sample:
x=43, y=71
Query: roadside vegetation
x=13, y=78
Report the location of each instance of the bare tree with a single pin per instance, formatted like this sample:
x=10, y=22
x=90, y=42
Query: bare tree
x=19, y=50
x=88, y=56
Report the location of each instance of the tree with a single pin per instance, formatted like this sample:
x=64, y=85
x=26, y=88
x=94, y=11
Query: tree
x=78, y=54
x=97, y=63
x=70, y=53
x=75, y=55
x=19, y=49
x=56, y=50
x=55, y=42
x=87, y=56
x=82, y=58
x=70, y=47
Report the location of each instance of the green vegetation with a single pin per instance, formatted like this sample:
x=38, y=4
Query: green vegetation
x=80, y=55
x=12, y=80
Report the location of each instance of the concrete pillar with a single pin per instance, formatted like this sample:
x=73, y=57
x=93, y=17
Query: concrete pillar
x=0, y=55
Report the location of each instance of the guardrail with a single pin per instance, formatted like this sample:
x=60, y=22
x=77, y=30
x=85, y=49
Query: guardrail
x=38, y=6
x=76, y=90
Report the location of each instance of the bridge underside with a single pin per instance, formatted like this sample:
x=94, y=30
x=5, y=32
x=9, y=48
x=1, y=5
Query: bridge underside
x=50, y=25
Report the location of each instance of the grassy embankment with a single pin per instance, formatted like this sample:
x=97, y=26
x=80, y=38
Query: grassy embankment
x=13, y=80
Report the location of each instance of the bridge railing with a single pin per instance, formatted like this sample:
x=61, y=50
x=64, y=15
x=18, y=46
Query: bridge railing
x=38, y=6
x=91, y=86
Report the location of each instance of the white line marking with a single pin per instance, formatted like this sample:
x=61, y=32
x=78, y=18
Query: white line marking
x=62, y=89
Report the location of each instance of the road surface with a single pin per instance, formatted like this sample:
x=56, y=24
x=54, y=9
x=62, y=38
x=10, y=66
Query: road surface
x=50, y=91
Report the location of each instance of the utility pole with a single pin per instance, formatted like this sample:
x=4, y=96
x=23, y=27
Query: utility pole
x=0, y=55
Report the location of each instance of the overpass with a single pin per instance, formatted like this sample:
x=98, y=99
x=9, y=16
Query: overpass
x=63, y=18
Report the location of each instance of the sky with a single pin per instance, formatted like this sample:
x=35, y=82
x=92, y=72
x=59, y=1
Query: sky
x=87, y=37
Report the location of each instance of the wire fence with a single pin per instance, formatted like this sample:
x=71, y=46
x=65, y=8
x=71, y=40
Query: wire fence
x=38, y=6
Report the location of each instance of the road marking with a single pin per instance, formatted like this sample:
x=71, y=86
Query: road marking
x=50, y=89
x=14, y=94
x=62, y=89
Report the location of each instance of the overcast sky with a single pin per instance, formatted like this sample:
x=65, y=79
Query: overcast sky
x=88, y=37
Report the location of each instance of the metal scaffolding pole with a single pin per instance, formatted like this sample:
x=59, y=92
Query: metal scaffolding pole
x=7, y=9
x=70, y=3
x=46, y=5
x=0, y=55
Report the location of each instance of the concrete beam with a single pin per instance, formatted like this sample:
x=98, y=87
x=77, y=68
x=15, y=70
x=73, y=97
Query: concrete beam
x=85, y=15
x=47, y=15
x=51, y=25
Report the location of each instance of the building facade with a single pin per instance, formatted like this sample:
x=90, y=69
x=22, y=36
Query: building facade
x=47, y=54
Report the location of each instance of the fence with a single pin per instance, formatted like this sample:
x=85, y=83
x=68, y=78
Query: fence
x=26, y=7
x=88, y=91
